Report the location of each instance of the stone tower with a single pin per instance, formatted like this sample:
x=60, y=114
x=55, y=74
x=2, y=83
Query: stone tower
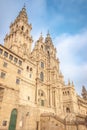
x=19, y=39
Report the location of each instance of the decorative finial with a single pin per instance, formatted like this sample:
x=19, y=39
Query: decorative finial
x=24, y=5
x=48, y=34
x=48, y=31
x=41, y=34
x=41, y=37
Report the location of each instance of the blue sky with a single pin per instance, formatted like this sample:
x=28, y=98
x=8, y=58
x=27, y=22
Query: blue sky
x=66, y=21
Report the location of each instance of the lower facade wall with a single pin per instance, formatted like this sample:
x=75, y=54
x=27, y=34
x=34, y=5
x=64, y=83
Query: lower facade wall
x=29, y=118
x=9, y=103
x=49, y=123
x=71, y=127
x=76, y=127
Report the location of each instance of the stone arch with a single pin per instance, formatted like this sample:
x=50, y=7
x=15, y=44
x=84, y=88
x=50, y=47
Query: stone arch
x=41, y=93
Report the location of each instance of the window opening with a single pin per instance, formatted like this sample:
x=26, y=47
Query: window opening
x=42, y=76
x=1, y=51
x=3, y=75
x=68, y=110
x=17, y=81
x=15, y=60
x=42, y=102
x=30, y=69
x=5, y=64
x=42, y=65
x=4, y=123
x=20, y=62
x=19, y=71
x=22, y=27
x=11, y=57
x=5, y=54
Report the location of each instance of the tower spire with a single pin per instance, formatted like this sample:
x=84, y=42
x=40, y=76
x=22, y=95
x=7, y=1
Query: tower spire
x=48, y=38
x=19, y=40
x=23, y=15
x=48, y=34
x=41, y=37
x=24, y=5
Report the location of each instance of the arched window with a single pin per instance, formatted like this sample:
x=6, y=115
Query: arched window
x=22, y=28
x=41, y=93
x=42, y=76
x=42, y=65
x=30, y=69
x=68, y=92
x=48, y=53
x=27, y=68
x=42, y=47
x=68, y=110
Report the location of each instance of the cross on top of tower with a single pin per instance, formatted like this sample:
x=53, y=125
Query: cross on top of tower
x=24, y=7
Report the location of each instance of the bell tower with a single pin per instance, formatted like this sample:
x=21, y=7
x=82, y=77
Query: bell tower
x=19, y=39
x=51, y=50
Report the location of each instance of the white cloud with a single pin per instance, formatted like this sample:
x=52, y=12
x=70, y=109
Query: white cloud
x=72, y=51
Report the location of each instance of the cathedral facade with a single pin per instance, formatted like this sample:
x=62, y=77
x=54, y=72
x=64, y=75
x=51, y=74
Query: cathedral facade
x=33, y=94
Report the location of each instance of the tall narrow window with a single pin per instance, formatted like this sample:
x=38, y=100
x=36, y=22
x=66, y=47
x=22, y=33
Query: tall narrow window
x=27, y=68
x=30, y=75
x=3, y=75
x=42, y=76
x=22, y=28
x=10, y=57
x=1, y=94
x=42, y=65
x=42, y=102
x=1, y=51
x=30, y=69
x=41, y=47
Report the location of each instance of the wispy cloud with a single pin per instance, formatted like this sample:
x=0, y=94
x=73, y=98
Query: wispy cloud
x=72, y=51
